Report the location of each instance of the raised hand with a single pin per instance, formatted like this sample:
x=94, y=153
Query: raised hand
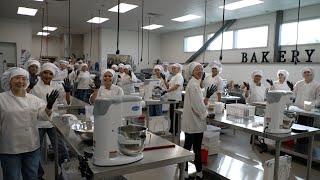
x=246, y=85
x=270, y=82
x=290, y=84
x=52, y=98
x=33, y=81
x=163, y=76
x=97, y=82
x=67, y=85
x=211, y=90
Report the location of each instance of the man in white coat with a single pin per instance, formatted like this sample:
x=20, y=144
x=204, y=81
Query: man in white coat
x=166, y=72
x=283, y=83
x=194, y=115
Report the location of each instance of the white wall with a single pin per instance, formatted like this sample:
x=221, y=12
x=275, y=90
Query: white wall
x=172, y=48
x=56, y=46
x=16, y=31
x=128, y=45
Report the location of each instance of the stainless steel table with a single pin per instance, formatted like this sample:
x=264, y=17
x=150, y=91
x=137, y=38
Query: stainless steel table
x=152, y=159
x=75, y=104
x=245, y=125
x=230, y=98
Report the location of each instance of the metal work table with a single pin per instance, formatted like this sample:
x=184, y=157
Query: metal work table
x=230, y=98
x=245, y=125
x=75, y=104
x=152, y=159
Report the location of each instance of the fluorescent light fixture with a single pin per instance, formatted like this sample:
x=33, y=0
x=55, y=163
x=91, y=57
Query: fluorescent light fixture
x=98, y=20
x=152, y=27
x=124, y=7
x=38, y=0
x=27, y=11
x=188, y=17
x=49, y=28
x=43, y=33
x=241, y=4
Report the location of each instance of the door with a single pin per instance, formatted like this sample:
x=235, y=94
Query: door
x=8, y=56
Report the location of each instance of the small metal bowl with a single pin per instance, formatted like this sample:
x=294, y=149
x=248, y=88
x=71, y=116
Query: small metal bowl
x=84, y=130
x=134, y=138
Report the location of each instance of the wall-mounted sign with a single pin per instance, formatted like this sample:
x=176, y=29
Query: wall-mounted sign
x=283, y=55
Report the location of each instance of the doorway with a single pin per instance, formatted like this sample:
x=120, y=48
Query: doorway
x=8, y=56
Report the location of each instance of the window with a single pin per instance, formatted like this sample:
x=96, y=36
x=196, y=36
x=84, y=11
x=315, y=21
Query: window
x=308, y=32
x=227, y=41
x=252, y=37
x=193, y=43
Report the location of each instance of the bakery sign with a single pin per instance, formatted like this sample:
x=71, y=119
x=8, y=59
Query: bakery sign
x=282, y=56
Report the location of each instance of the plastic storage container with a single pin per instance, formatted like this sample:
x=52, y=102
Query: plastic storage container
x=240, y=110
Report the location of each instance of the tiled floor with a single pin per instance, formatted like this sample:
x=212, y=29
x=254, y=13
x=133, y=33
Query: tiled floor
x=234, y=145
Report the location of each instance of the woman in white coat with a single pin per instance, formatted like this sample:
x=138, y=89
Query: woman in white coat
x=194, y=115
x=255, y=91
x=307, y=89
x=108, y=76
x=158, y=73
x=126, y=81
x=19, y=136
x=174, y=91
x=282, y=83
x=214, y=79
x=84, y=80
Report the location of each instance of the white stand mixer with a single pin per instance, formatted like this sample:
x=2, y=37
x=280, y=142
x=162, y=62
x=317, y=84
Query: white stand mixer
x=107, y=119
x=274, y=117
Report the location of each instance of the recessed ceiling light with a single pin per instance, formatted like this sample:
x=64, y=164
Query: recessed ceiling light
x=43, y=33
x=27, y=11
x=124, y=7
x=241, y=4
x=152, y=27
x=98, y=20
x=48, y=28
x=188, y=17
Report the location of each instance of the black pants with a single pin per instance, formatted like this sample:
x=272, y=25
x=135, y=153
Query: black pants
x=172, y=118
x=306, y=121
x=194, y=140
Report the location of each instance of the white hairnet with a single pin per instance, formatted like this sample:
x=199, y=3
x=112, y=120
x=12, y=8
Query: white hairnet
x=114, y=77
x=256, y=72
x=284, y=72
x=127, y=66
x=165, y=63
x=216, y=64
x=114, y=66
x=83, y=64
x=64, y=62
x=178, y=66
x=190, y=69
x=51, y=67
x=76, y=64
x=70, y=66
x=157, y=67
x=33, y=62
x=307, y=69
x=121, y=65
x=9, y=74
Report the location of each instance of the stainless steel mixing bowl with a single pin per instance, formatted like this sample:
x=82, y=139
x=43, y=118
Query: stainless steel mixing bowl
x=84, y=130
x=134, y=137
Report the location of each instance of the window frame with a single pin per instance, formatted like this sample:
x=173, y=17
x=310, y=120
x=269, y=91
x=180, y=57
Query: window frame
x=209, y=33
x=251, y=27
x=188, y=37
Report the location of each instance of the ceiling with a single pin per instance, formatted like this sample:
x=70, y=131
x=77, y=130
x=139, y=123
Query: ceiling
x=165, y=10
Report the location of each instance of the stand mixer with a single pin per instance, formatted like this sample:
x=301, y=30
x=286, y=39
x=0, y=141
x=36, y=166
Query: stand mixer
x=108, y=113
x=276, y=120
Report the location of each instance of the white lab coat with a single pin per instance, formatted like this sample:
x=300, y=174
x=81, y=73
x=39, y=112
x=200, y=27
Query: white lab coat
x=62, y=75
x=167, y=74
x=278, y=86
x=18, y=122
x=41, y=90
x=114, y=91
x=84, y=80
x=209, y=81
x=176, y=94
x=257, y=93
x=72, y=77
x=194, y=110
x=306, y=92
x=127, y=83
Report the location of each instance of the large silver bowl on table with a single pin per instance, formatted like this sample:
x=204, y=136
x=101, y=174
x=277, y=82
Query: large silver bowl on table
x=84, y=130
x=131, y=139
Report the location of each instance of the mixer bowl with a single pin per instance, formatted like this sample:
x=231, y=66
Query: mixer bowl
x=84, y=130
x=133, y=138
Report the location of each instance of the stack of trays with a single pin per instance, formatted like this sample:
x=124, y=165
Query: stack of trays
x=211, y=140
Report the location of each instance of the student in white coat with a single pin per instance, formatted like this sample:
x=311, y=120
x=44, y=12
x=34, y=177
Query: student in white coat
x=283, y=83
x=214, y=79
x=166, y=72
x=108, y=76
x=174, y=90
x=33, y=67
x=307, y=89
x=84, y=80
x=126, y=81
x=156, y=110
x=194, y=115
x=121, y=72
x=255, y=91
x=19, y=136
x=44, y=86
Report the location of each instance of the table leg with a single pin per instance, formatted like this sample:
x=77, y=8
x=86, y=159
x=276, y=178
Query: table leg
x=148, y=117
x=310, y=149
x=252, y=141
x=174, y=127
x=182, y=166
x=56, y=154
x=276, y=163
